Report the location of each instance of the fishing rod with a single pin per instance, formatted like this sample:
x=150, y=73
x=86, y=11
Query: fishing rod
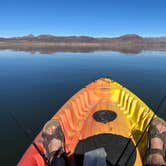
x=129, y=141
x=29, y=136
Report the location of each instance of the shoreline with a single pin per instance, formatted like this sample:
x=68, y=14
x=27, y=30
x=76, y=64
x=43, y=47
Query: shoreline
x=52, y=44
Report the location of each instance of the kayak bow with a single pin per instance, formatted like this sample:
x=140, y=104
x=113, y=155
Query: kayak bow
x=103, y=112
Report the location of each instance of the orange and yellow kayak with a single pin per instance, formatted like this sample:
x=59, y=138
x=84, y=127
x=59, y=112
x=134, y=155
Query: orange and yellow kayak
x=103, y=114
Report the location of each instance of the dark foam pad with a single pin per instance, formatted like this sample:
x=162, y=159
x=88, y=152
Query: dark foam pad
x=113, y=145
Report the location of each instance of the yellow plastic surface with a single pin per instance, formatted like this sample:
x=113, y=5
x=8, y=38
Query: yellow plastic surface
x=135, y=110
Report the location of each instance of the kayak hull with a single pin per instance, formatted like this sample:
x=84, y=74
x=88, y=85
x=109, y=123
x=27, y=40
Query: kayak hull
x=127, y=117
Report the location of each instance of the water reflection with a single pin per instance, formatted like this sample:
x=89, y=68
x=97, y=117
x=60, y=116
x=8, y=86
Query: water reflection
x=35, y=87
x=82, y=49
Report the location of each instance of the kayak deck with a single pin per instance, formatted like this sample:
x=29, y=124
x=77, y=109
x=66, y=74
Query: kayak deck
x=76, y=117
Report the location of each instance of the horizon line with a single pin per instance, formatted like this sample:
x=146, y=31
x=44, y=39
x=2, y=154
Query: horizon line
x=83, y=35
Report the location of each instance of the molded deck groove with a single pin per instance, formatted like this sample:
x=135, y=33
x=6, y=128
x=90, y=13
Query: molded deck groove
x=137, y=116
x=133, y=107
x=121, y=98
x=74, y=110
x=145, y=121
x=85, y=109
x=91, y=97
x=79, y=108
x=71, y=123
x=68, y=133
x=86, y=99
x=129, y=104
x=125, y=101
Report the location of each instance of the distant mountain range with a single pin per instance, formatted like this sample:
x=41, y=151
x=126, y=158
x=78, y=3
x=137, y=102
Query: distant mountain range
x=130, y=43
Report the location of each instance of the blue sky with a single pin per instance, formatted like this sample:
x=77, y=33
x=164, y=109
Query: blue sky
x=83, y=17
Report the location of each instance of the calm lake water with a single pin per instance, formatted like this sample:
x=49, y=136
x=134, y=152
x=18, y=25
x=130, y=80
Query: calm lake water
x=35, y=86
